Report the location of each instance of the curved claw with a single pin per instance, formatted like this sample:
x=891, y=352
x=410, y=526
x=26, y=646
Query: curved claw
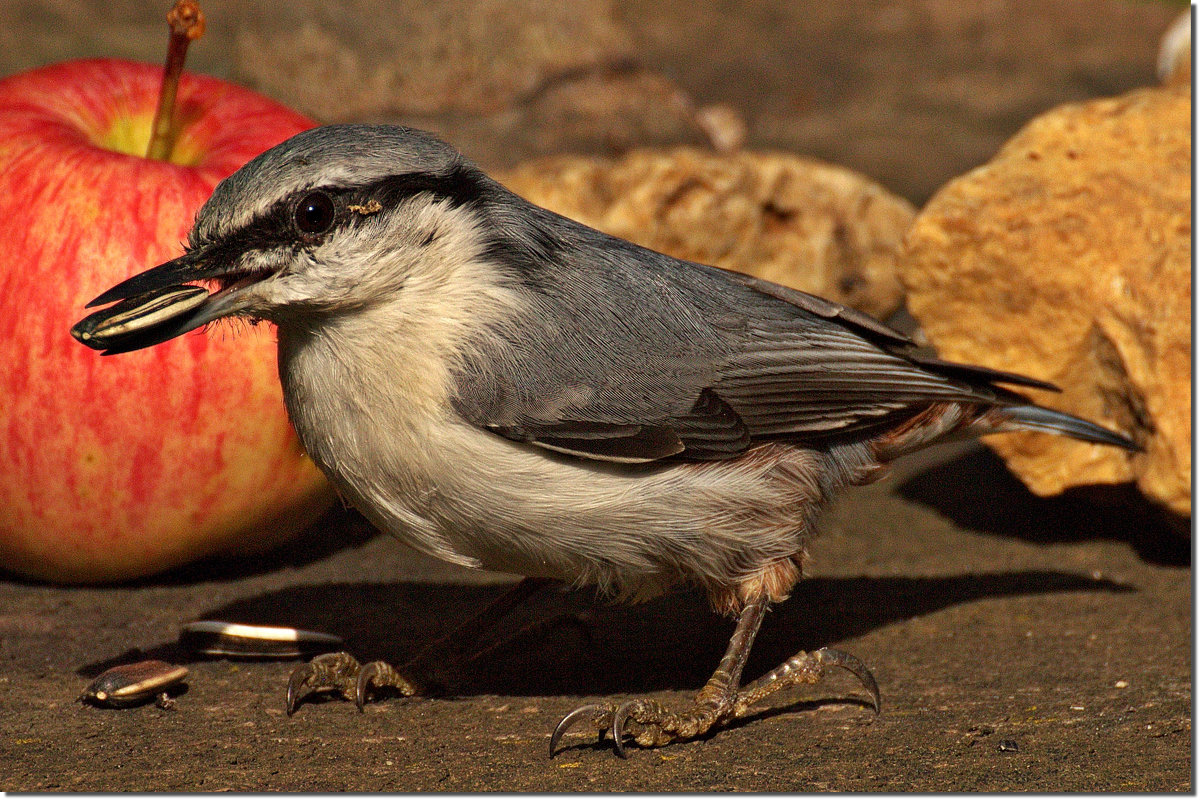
x=853, y=665
x=298, y=679
x=570, y=719
x=361, y=686
x=618, y=727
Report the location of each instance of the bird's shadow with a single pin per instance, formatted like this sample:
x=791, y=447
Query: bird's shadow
x=976, y=491
x=567, y=643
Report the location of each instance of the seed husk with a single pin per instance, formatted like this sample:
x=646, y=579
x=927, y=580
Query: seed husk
x=136, y=314
x=217, y=638
x=133, y=684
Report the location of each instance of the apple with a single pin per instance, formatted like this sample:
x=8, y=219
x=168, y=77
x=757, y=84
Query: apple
x=118, y=468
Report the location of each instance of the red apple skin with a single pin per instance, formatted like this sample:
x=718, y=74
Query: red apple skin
x=118, y=467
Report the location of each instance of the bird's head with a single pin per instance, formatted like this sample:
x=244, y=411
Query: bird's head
x=332, y=220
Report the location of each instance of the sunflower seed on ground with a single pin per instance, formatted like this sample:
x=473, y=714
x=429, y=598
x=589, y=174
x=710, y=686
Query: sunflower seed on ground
x=216, y=638
x=133, y=684
x=138, y=313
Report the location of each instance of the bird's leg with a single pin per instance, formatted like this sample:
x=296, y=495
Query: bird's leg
x=460, y=645
x=580, y=620
x=652, y=725
x=343, y=673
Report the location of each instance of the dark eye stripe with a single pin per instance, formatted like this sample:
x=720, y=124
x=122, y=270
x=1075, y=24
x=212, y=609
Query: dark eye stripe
x=280, y=226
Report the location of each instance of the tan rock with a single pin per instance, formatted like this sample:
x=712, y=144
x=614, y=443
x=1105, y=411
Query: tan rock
x=805, y=224
x=1067, y=257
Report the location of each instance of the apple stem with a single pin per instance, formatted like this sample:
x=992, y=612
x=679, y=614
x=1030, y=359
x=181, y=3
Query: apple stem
x=186, y=23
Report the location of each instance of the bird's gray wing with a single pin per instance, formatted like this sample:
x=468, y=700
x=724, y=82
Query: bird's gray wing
x=634, y=356
x=587, y=377
x=811, y=380
x=710, y=429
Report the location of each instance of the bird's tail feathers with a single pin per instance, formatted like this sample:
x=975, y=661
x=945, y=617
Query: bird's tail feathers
x=1036, y=418
x=947, y=422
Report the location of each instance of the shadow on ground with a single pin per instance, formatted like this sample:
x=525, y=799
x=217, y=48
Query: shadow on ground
x=977, y=492
x=567, y=643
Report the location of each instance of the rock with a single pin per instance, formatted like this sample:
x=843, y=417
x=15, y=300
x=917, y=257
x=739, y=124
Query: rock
x=1067, y=257
x=809, y=225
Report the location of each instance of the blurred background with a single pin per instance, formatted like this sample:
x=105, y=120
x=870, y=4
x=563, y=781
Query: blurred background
x=908, y=92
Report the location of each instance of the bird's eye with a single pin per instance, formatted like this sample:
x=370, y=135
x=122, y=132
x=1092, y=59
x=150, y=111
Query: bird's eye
x=315, y=213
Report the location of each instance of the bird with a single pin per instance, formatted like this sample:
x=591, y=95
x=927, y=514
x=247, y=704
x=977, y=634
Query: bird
x=504, y=388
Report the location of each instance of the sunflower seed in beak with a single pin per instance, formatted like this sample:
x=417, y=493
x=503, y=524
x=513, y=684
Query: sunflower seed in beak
x=136, y=314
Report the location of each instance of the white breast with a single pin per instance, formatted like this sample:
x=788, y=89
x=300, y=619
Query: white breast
x=382, y=429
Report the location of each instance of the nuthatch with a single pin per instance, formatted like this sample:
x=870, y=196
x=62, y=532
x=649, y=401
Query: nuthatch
x=503, y=388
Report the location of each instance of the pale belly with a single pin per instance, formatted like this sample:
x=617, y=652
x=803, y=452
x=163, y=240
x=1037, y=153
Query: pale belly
x=471, y=497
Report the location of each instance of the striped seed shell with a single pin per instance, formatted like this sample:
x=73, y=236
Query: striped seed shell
x=217, y=638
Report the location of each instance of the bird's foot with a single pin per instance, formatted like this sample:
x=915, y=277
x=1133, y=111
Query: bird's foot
x=341, y=672
x=650, y=724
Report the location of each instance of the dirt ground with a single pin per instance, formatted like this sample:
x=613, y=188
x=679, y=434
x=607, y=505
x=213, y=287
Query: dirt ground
x=1019, y=643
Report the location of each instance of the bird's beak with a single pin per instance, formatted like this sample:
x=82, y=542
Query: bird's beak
x=192, y=266
x=157, y=305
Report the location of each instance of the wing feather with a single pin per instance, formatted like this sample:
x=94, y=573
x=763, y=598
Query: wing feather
x=632, y=356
